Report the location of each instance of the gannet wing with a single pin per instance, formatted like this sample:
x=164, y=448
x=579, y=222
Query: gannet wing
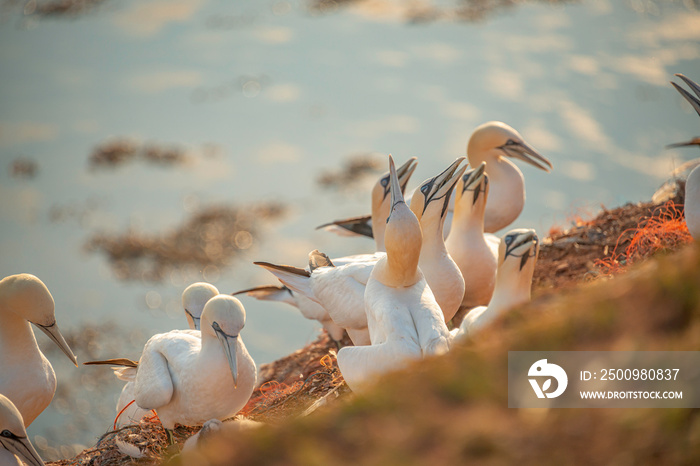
x=293, y=277
x=113, y=362
x=355, y=226
x=341, y=291
x=269, y=293
x=127, y=374
x=153, y=387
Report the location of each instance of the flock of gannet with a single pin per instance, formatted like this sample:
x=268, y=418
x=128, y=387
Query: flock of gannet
x=431, y=260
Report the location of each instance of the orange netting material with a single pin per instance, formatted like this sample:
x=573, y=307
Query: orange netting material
x=665, y=231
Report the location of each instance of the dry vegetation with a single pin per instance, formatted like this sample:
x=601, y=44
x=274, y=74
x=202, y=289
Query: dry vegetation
x=453, y=409
x=355, y=168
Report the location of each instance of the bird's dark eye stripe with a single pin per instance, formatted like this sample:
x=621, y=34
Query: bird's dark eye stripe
x=510, y=142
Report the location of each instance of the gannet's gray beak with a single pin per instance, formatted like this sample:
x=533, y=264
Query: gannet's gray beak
x=396, y=192
x=692, y=100
x=54, y=333
x=229, y=343
x=473, y=181
x=20, y=446
x=523, y=151
x=195, y=320
x=441, y=186
x=403, y=174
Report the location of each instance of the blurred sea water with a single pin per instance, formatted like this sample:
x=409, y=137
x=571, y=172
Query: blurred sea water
x=263, y=98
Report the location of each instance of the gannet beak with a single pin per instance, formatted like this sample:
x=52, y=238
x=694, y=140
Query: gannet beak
x=195, y=320
x=396, y=192
x=229, y=343
x=692, y=142
x=20, y=446
x=692, y=100
x=403, y=174
x=54, y=333
x=523, y=151
x=522, y=244
x=441, y=186
x=473, y=181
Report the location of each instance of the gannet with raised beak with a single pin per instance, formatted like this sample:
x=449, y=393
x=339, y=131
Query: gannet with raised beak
x=374, y=225
x=517, y=256
x=16, y=448
x=475, y=254
x=495, y=143
x=26, y=376
x=190, y=380
x=404, y=319
x=341, y=289
x=692, y=183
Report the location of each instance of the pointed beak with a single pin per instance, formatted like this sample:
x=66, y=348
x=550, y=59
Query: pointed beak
x=523, y=151
x=22, y=447
x=405, y=171
x=692, y=100
x=195, y=320
x=396, y=192
x=229, y=344
x=475, y=180
x=54, y=333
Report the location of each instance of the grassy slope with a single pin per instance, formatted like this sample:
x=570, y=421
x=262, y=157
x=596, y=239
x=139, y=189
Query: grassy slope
x=453, y=409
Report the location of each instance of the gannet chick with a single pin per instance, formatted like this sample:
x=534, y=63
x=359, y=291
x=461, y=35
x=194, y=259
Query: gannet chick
x=308, y=308
x=17, y=449
x=26, y=376
x=494, y=143
x=340, y=289
x=517, y=256
x=692, y=183
x=429, y=204
x=404, y=319
x=189, y=380
x=474, y=253
x=374, y=224
x=194, y=297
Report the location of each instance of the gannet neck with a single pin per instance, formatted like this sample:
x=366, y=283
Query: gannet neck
x=403, y=240
x=17, y=339
x=692, y=203
x=380, y=212
x=509, y=292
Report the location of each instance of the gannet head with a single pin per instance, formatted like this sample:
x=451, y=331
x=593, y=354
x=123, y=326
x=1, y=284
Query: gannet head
x=494, y=140
x=194, y=298
x=13, y=436
x=27, y=296
x=380, y=193
x=403, y=239
x=224, y=318
x=517, y=252
x=430, y=200
x=474, y=190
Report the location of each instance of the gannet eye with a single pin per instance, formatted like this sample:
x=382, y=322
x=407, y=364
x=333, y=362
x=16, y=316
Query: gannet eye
x=6, y=433
x=510, y=142
x=509, y=239
x=425, y=189
x=385, y=181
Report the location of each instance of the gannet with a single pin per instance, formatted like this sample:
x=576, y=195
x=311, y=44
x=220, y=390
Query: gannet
x=194, y=297
x=17, y=449
x=190, y=380
x=308, y=308
x=340, y=288
x=404, y=319
x=26, y=376
x=475, y=254
x=517, y=256
x=692, y=183
x=494, y=142
x=376, y=222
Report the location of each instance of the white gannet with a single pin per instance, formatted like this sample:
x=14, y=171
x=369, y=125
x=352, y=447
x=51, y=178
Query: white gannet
x=475, y=254
x=404, y=319
x=190, y=380
x=26, y=376
x=340, y=289
x=517, y=256
x=194, y=297
x=494, y=142
x=692, y=183
x=373, y=225
x=16, y=448
x=308, y=308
